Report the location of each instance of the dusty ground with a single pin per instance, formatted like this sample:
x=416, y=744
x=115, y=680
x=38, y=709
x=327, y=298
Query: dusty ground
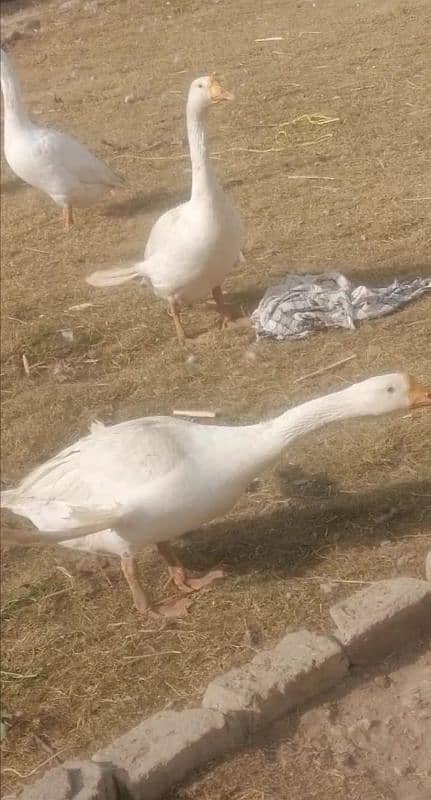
x=367, y=739
x=351, y=503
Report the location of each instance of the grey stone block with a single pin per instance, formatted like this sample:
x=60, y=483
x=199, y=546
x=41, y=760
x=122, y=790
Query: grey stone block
x=89, y=781
x=378, y=620
x=164, y=748
x=54, y=785
x=300, y=666
x=74, y=780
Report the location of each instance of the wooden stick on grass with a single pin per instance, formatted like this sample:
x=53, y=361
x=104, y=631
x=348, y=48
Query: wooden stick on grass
x=198, y=414
x=325, y=369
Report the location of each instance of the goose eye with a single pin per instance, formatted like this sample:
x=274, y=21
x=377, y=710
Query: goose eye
x=391, y=389
x=200, y=86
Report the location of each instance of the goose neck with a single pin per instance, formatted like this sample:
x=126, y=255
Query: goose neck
x=204, y=182
x=309, y=416
x=13, y=103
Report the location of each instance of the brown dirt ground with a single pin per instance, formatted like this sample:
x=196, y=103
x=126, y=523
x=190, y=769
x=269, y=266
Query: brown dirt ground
x=368, y=738
x=351, y=503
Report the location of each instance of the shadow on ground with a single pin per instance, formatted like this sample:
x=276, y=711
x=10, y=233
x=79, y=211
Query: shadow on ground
x=161, y=200
x=292, y=539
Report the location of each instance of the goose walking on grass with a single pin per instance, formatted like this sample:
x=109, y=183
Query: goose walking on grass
x=50, y=161
x=193, y=247
x=150, y=480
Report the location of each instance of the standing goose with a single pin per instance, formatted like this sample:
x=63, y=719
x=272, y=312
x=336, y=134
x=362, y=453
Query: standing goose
x=153, y=479
x=50, y=161
x=193, y=247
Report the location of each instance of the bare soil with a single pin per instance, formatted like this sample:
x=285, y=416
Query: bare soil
x=369, y=738
x=351, y=503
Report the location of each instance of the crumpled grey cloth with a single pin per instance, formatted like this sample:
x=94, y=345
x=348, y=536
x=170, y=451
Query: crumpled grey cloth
x=302, y=304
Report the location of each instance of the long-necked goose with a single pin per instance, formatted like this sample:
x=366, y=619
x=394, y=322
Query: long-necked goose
x=153, y=479
x=50, y=161
x=193, y=247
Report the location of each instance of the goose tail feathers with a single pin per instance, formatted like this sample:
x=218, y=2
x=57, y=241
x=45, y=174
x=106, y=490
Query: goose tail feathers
x=115, y=276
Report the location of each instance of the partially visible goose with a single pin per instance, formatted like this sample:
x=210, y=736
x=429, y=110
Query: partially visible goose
x=50, y=161
x=151, y=480
x=193, y=247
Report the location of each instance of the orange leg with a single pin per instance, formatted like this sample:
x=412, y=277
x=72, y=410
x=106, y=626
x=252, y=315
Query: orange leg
x=221, y=308
x=178, y=574
x=175, y=314
x=140, y=598
x=67, y=217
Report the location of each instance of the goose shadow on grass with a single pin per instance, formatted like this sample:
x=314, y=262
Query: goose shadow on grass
x=370, y=276
x=159, y=200
x=9, y=8
x=13, y=186
x=245, y=299
x=385, y=275
x=377, y=276
x=291, y=539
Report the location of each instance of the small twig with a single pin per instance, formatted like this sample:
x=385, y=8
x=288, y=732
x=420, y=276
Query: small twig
x=330, y=580
x=271, y=39
x=198, y=414
x=153, y=655
x=315, y=141
x=310, y=141
x=325, y=369
x=15, y=319
x=416, y=322
x=52, y=594
x=154, y=158
x=117, y=625
x=47, y=747
x=64, y=571
x=310, y=178
x=79, y=307
x=252, y=150
x=180, y=694
x=35, y=250
x=313, y=119
x=36, y=769
x=212, y=156
x=26, y=365
x=18, y=675
x=118, y=147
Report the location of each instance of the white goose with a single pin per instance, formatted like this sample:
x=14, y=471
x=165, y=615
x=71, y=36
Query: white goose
x=153, y=479
x=50, y=161
x=192, y=247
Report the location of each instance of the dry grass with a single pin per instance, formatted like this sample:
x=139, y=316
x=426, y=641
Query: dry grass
x=80, y=666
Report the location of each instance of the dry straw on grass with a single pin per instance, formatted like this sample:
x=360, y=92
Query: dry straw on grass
x=89, y=666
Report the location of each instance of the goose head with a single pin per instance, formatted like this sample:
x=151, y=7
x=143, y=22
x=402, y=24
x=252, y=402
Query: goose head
x=205, y=92
x=386, y=393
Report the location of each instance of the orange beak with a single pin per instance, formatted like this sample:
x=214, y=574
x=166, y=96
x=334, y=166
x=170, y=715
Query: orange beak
x=419, y=396
x=217, y=93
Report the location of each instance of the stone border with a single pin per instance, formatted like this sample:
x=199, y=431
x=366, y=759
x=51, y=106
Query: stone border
x=163, y=749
